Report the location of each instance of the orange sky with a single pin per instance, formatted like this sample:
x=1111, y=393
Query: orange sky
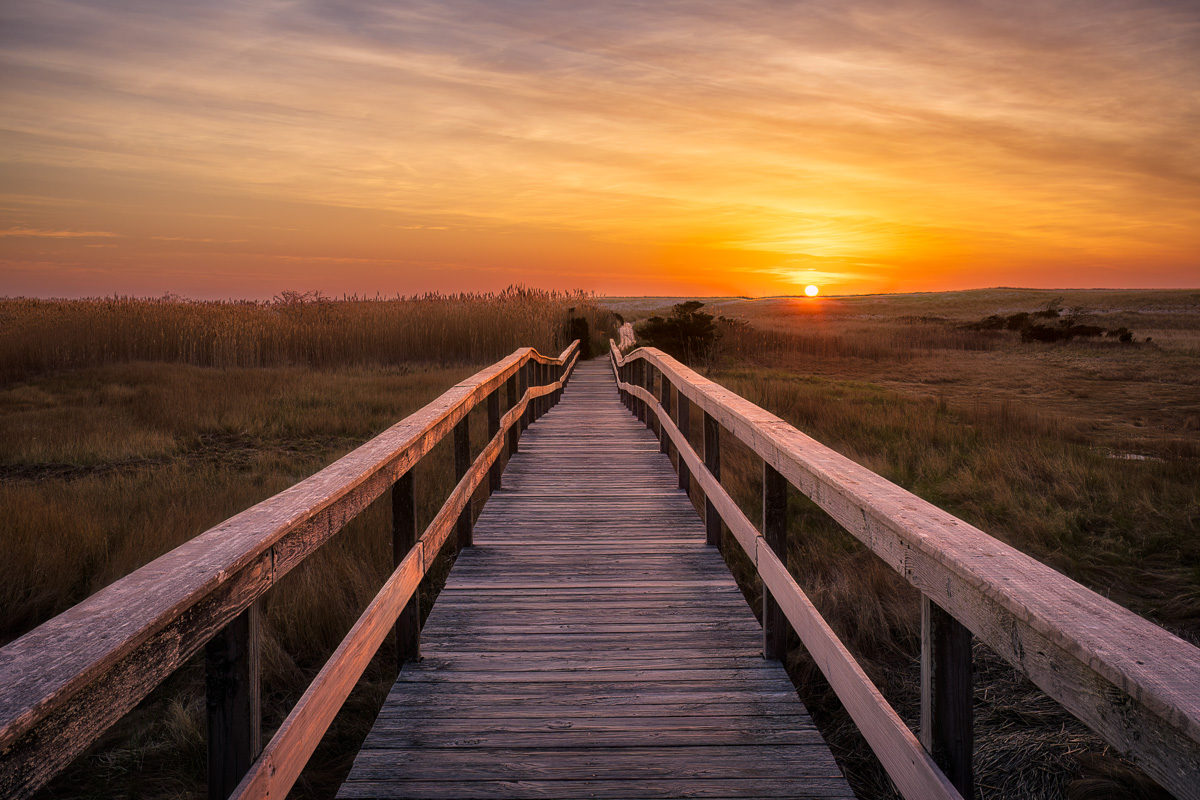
x=748, y=147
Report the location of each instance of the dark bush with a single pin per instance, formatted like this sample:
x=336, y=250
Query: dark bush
x=577, y=328
x=1017, y=321
x=687, y=334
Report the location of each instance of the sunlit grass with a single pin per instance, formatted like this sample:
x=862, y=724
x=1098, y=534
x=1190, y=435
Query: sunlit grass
x=1084, y=455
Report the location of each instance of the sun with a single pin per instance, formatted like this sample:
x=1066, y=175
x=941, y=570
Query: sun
x=811, y=291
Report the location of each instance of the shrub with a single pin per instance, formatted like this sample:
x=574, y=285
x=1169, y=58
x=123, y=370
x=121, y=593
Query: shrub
x=687, y=334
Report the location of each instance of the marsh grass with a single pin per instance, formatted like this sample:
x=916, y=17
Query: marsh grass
x=1085, y=455
x=1081, y=455
x=1127, y=529
x=129, y=426
x=37, y=336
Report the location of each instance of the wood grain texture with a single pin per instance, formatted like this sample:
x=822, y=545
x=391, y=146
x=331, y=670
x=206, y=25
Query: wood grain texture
x=68, y=680
x=1132, y=682
x=590, y=645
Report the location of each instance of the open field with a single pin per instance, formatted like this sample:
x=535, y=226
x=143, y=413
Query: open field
x=1085, y=455
x=112, y=455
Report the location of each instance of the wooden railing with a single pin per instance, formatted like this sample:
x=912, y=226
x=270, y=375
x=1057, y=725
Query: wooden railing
x=1132, y=682
x=67, y=681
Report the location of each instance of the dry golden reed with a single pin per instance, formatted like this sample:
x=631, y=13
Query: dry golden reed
x=292, y=330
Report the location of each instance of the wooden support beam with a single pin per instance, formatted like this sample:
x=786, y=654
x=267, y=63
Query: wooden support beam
x=947, y=719
x=543, y=379
x=404, y=536
x=774, y=531
x=231, y=677
x=685, y=427
x=651, y=382
x=639, y=405
x=712, y=461
x=664, y=397
x=510, y=388
x=525, y=373
x=462, y=462
x=493, y=423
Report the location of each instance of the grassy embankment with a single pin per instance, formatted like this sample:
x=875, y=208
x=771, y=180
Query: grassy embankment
x=1086, y=455
x=129, y=426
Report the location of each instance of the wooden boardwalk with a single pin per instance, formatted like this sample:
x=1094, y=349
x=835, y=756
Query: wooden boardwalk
x=590, y=645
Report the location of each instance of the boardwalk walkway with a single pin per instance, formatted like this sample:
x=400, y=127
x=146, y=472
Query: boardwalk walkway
x=590, y=644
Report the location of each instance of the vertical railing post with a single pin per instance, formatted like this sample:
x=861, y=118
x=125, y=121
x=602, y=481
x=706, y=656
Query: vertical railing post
x=404, y=537
x=947, y=723
x=233, y=700
x=651, y=379
x=462, y=462
x=493, y=423
x=640, y=380
x=537, y=381
x=684, y=417
x=632, y=380
x=651, y=417
x=527, y=414
x=774, y=531
x=664, y=397
x=543, y=379
x=712, y=462
x=625, y=396
x=510, y=387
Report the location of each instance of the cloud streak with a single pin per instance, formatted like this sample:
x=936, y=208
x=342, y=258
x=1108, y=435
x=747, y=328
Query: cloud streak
x=923, y=134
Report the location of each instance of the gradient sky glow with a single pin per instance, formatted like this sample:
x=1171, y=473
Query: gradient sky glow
x=236, y=149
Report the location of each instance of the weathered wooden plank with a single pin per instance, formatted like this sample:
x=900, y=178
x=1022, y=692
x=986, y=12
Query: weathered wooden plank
x=600, y=789
x=763, y=761
x=562, y=735
x=592, y=622
x=532, y=723
x=671, y=707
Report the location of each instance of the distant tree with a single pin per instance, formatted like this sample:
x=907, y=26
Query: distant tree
x=687, y=334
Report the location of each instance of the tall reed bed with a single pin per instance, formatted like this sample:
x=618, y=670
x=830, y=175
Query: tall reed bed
x=291, y=330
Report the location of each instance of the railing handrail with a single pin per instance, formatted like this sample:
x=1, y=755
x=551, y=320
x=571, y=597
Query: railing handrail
x=69, y=679
x=1134, y=683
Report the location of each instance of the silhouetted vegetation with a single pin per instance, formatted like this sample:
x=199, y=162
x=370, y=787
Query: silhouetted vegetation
x=688, y=334
x=578, y=328
x=1068, y=325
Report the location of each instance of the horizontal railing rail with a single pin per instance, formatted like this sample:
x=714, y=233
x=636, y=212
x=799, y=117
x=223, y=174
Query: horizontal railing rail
x=1132, y=682
x=67, y=681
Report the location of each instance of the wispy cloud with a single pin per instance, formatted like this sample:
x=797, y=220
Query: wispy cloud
x=866, y=130
x=44, y=234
